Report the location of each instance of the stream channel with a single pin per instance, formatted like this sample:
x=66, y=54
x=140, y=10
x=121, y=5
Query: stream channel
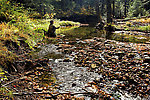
x=72, y=78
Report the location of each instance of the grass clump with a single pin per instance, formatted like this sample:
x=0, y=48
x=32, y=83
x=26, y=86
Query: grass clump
x=144, y=28
x=69, y=23
x=130, y=38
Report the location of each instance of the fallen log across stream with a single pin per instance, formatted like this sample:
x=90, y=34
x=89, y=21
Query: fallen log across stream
x=122, y=29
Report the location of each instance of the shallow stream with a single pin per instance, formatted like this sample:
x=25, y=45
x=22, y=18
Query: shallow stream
x=74, y=79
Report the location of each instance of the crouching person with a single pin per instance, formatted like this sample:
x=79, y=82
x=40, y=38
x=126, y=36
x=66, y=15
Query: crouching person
x=52, y=29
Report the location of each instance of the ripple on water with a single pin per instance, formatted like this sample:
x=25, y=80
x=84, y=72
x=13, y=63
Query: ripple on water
x=72, y=78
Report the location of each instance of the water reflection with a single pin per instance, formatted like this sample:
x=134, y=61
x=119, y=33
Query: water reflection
x=72, y=33
x=81, y=33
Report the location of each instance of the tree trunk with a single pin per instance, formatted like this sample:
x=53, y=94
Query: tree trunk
x=120, y=14
x=113, y=8
x=80, y=2
x=98, y=12
x=63, y=4
x=109, y=11
x=102, y=7
x=125, y=8
x=109, y=20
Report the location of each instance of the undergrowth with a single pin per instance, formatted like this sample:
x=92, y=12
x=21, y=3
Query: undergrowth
x=19, y=30
x=130, y=38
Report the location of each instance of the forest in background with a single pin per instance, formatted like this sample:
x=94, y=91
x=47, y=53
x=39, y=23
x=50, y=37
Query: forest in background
x=67, y=8
x=120, y=8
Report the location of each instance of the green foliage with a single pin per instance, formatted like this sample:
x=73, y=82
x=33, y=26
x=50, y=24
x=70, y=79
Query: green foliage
x=3, y=77
x=7, y=95
x=64, y=8
x=144, y=28
x=21, y=26
x=42, y=6
x=18, y=27
x=136, y=9
x=11, y=11
x=5, y=14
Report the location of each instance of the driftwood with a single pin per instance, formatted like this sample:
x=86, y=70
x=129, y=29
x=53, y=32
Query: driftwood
x=84, y=25
x=119, y=20
x=13, y=81
x=121, y=29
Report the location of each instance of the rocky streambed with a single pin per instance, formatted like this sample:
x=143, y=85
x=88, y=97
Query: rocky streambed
x=102, y=69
